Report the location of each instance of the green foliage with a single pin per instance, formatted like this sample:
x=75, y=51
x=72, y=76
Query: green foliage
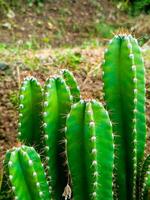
x=69, y=58
x=36, y=2
x=14, y=98
x=9, y=5
x=134, y=7
x=138, y=6
x=102, y=29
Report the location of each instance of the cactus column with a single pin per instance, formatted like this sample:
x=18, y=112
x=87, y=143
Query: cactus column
x=30, y=113
x=90, y=151
x=26, y=174
x=57, y=104
x=72, y=84
x=124, y=90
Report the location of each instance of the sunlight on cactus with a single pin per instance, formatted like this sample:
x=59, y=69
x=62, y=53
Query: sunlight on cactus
x=88, y=152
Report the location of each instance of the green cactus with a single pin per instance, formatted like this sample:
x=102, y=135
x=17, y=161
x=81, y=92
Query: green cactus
x=63, y=93
x=84, y=152
x=57, y=104
x=124, y=90
x=30, y=113
x=145, y=180
x=72, y=84
x=90, y=151
x=26, y=174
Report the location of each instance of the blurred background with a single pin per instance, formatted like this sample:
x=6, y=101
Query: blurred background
x=40, y=37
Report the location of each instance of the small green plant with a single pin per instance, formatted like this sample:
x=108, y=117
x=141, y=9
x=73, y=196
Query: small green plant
x=14, y=98
x=69, y=58
x=139, y=6
x=134, y=7
x=102, y=29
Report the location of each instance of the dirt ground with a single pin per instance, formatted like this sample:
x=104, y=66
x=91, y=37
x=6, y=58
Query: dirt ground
x=68, y=22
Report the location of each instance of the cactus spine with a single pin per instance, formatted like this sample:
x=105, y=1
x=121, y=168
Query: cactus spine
x=30, y=113
x=90, y=151
x=26, y=174
x=124, y=88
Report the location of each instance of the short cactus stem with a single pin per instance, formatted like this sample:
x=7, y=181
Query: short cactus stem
x=30, y=109
x=124, y=79
x=23, y=163
x=90, y=151
x=57, y=105
x=72, y=84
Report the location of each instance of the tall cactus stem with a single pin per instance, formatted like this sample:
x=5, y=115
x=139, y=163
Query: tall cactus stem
x=57, y=104
x=90, y=151
x=121, y=71
x=30, y=113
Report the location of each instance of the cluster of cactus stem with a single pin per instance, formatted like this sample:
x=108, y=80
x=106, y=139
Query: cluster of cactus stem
x=89, y=151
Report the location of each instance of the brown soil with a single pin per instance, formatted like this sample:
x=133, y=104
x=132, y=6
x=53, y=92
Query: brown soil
x=67, y=22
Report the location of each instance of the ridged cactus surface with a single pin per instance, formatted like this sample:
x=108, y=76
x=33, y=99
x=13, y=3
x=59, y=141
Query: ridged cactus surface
x=145, y=180
x=90, y=151
x=124, y=90
x=57, y=104
x=72, y=84
x=26, y=174
x=30, y=113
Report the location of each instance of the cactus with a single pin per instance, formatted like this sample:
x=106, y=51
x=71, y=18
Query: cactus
x=72, y=84
x=30, y=113
x=30, y=108
x=90, y=151
x=83, y=150
x=145, y=180
x=124, y=90
x=26, y=174
x=59, y=98
x=57, y=104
